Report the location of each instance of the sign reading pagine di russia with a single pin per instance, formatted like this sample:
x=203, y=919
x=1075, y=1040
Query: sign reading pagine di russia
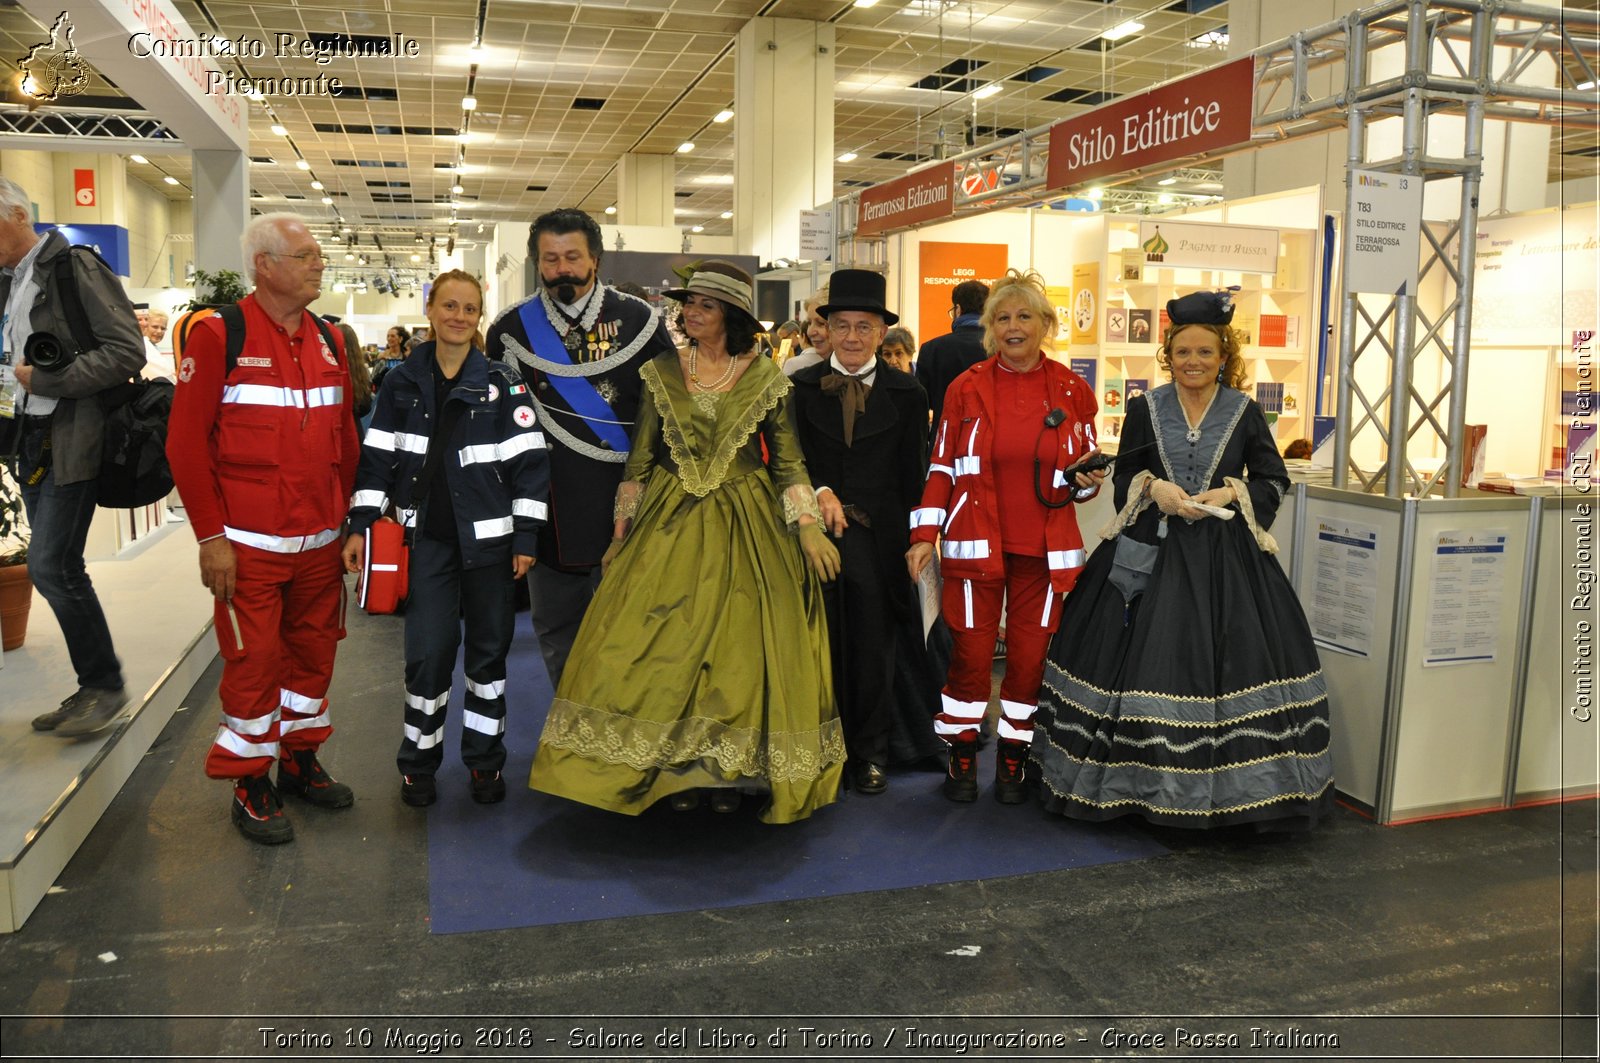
x=925, y=195
x=1206, y=112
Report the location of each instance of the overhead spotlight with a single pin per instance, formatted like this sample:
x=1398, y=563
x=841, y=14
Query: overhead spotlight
x=991, y=89
x=1166, y=181
x=140, y=159
x=1095, y=193
x=611, y=209
x=866, y=3
x=1164, y=198
x=349, y=257
x=317, y=185
x=457, y=189
x=686, y=147
x=416, y=257
x=327, y=201
x=279, y=131
x=469, y=103
x=697, y=228
x=170, y=179
x=725, y=215
x=301, y=164
x=848, y=156
x=722, y=116
x=1122, y=29
x=464, y=137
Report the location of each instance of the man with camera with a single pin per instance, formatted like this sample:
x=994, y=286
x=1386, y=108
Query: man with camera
x=52, y=421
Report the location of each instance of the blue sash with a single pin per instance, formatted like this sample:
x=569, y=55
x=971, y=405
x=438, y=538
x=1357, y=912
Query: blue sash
x=579, y=394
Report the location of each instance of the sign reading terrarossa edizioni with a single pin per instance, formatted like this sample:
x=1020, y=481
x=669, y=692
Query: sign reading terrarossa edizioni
x=1197, y=245
x=1207, y=112
x=925, y=195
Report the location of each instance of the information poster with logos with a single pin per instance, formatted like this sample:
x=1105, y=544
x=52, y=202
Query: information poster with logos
x=1344, y=589
x=1467, y=595
x=1086, y=302
x=1383, y=237
x=942, y=266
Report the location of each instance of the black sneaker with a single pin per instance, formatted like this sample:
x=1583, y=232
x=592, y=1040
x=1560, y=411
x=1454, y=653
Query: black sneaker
x=488, y=788
x=418, y=791
x=92, y=710
x=961, y=782
x=303, y=776
x=1010, y=785
x=258, y=811
x=48, y=721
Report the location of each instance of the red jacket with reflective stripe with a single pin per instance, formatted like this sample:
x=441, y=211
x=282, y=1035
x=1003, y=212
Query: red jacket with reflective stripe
x=958, y=500
x=272, y=449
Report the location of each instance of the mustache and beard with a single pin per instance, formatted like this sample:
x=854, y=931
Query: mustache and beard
x=565, y=286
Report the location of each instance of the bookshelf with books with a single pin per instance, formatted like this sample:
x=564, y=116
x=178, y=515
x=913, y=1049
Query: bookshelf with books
x=1274, y=316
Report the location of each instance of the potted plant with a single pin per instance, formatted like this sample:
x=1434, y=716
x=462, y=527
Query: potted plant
x=225, y=286
x=16, y=590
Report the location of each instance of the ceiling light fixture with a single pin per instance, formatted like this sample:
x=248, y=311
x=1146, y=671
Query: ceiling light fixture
x=686, y=147
x=991, y=89
x=866, y=3
x=464, y=137
x=1095, y=193
x=1586, y=86
x=317, y=185
x=140, y=159
x=456, y=190
x=301, y=164
x=611, y=209
x=848, y=156
x=170, y=179
x=1121, y=30
x=1165, y=181
x=725, y=215
x=722, y=116
x=1164, y=198
x=697, y=228
x=327, y=201
x=469, y=103
x=279, y=131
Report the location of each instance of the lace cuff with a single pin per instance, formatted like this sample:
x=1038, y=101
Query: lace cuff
x=799, y=501
x=1137, y=501
x=627, y=503
x=1247, y=509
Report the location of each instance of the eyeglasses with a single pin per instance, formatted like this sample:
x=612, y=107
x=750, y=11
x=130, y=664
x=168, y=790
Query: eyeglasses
x=860, y=328
x=305, y=258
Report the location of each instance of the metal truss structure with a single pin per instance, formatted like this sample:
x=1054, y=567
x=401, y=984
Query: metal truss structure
x=109, y=131
x=1474, y=59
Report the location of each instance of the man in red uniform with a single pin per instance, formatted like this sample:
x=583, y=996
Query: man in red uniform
x=265, y=457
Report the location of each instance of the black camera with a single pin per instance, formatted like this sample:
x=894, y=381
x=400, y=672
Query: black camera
x=46, y=351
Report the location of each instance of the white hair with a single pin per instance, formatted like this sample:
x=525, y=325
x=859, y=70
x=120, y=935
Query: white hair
x=264, y=232
x=12, y=196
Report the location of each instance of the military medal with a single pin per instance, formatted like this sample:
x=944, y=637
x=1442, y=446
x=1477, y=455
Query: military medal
x=572, y=341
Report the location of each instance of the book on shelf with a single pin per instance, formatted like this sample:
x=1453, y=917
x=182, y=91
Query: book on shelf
x=1111, y=397
x=1291, y=399
x=1133, y=387
x=1085, y=367
x=1274, y=330
x=1270, y=396
x=1139, y=322
x=1162, y=324
x=1131, y=261
x=1291, y=330
x=1116, y=325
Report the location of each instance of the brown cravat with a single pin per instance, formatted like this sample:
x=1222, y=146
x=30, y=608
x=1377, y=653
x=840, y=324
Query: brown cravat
x=852, y=394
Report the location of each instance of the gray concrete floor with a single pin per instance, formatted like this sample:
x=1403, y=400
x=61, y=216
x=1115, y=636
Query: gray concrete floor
x=1457, y=939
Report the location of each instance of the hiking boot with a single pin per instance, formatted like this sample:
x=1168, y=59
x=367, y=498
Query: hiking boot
x=48, y=721
x=961, y=782
x=418, y=791
x=91, y=710
x=258, y=811
x=1010, y=783
x=488, y=788
x=302, y=775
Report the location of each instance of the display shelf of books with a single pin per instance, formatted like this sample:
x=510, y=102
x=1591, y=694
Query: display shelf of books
x=1273, y=316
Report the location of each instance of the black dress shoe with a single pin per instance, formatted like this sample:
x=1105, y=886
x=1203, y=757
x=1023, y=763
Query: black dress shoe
x=869, y=778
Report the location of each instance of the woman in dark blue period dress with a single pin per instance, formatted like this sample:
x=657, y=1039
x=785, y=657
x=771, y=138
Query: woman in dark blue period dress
x=1183, y=685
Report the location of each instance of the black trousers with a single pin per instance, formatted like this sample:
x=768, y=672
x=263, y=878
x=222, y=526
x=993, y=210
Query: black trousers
x=559, y=601
x=861, y=631
x=442, y=594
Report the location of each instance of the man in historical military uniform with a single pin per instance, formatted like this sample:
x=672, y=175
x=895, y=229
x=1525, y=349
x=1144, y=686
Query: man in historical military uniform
x=863, y=428
x=579, y=345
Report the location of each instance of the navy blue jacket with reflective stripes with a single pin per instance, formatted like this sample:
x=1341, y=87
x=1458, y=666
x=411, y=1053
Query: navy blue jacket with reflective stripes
x=497, y=468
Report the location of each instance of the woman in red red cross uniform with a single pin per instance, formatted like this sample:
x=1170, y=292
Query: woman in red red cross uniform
x=999, y=503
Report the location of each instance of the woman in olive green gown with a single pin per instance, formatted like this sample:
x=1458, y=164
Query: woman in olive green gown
x=702, y=662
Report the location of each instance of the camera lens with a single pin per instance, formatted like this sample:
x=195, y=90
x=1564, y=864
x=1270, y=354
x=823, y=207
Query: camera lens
x=44, y=351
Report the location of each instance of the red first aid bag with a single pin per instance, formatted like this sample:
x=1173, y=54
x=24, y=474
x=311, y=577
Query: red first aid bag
x=386, y=572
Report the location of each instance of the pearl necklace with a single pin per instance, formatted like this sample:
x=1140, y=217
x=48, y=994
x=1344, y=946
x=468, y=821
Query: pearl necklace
x=722, y=381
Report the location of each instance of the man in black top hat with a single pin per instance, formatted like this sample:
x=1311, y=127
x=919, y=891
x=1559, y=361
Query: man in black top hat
x=579, y=345
x=863, y=426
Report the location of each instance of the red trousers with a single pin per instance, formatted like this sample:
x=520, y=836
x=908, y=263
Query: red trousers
x=972, y=611
x=278, y=663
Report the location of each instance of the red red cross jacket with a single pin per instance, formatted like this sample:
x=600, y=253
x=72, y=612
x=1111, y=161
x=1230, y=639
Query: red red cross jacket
x=959, y=502
x=268, y=456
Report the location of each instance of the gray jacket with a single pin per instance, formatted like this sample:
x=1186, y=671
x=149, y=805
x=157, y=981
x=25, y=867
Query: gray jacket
x=77, y=428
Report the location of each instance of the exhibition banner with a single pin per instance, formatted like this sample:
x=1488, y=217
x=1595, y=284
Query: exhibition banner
x=942, y=266
x=925, y=195
x=1206, y=112
x=1536, y=277
x=1196, y=245
x=1383, y=235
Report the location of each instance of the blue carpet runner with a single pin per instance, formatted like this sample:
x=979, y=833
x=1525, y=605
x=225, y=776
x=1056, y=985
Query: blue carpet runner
x=537, y=859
